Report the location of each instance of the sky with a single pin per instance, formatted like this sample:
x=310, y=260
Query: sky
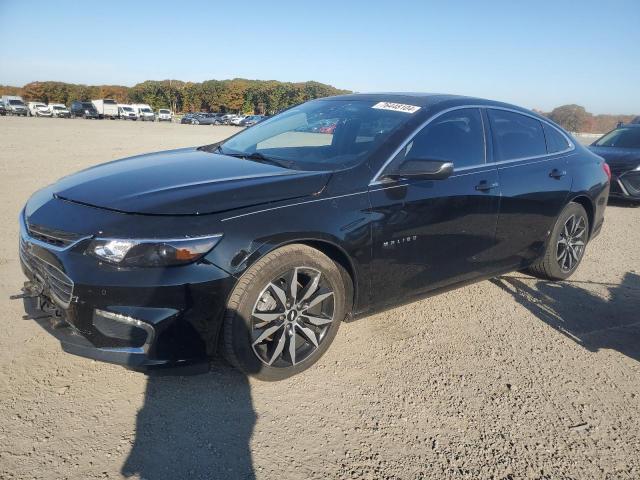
x=537, y=54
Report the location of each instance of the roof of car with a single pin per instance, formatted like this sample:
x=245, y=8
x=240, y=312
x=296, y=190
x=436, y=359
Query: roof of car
x=423, y=99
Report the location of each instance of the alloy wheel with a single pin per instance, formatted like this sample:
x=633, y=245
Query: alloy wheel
x=291, y=317
x=570, y=246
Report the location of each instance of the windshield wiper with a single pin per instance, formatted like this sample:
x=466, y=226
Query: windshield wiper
x=259, y=157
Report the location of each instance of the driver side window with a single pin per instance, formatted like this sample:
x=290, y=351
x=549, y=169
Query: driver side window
x=456, y=136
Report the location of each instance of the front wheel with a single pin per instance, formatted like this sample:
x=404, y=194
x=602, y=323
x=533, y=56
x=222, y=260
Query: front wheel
x=566, y=245
x=284, y=313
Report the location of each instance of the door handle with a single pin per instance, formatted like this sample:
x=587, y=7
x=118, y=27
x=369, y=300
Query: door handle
x=485, y=186
x=555, y=173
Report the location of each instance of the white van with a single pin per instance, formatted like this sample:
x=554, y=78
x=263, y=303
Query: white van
x=144, y=112
x=126, y=112
x=59, y=110
x=164, y=114
x=38, y=109
x=106, y=107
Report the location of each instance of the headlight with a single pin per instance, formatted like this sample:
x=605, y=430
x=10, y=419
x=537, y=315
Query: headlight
x=153, y=252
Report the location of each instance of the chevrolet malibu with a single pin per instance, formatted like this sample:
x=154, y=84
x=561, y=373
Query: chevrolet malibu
x=259, y=246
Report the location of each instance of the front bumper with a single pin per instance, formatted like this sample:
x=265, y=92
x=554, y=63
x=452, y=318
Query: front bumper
x=145, y=319
x=626, y=185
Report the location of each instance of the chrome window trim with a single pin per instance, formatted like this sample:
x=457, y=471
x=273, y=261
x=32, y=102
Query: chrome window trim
x=376, y=178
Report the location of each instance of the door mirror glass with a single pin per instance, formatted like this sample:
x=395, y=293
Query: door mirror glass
x=420, y=168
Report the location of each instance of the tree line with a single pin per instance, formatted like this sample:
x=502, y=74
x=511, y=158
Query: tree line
x=240, y=95
x=575, y=118
x=236, y=95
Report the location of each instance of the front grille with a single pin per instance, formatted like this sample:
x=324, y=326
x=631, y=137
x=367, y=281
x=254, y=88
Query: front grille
x=57, y=238
x=55, y=281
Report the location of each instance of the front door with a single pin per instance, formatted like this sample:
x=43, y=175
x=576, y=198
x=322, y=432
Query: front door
x=432, y=233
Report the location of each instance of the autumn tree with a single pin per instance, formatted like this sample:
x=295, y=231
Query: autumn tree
x=570, y=117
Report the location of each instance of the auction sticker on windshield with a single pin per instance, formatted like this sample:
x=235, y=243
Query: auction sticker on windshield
x=396, y=107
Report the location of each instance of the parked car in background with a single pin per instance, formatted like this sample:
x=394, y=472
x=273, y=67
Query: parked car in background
x=226, y=118
x=14, y=105
x=237, y=120
x=251, y=120
x=260, y=245
x=3, y=110
x=83, y=110
x=164, y=115
x=38, y=109
x=144, y=112
x=59, y=110
x=106, y=108
x=205, y=119
x=621, y=149
x=126, y=112
x=186, y=118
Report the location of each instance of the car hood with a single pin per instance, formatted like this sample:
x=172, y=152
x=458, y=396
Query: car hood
x=619, y=159
x=188, y=181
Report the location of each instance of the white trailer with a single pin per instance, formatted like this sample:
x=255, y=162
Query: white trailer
x=106, y=107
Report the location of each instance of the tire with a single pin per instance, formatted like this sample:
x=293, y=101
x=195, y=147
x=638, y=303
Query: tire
x=292, y=341
x=566, y=246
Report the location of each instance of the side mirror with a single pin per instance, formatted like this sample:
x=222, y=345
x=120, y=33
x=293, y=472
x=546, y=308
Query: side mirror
x=418, y=168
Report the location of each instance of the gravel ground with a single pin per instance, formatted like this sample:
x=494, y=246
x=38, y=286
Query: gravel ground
x=509, y=378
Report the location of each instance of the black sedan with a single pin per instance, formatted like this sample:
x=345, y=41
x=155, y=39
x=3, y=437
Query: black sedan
x=258, y=247
x=621, y=149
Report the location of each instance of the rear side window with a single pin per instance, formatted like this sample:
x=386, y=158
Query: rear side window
x=556, y=142
x=516, y=136
x=456, y=136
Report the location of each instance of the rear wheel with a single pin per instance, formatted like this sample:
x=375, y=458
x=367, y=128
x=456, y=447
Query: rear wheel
x=566, y=246
x=284, y=313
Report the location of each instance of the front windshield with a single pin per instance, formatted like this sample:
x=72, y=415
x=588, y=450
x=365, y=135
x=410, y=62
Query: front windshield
x=88, y=105
x=164, y=111
x=628, y=137
x=145, y=110
x=15, y=102
x=318, y=135
x=58, y=107
x=127, y=109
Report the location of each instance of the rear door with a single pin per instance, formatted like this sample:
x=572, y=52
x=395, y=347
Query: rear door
x=535, y=182
x=433, y=233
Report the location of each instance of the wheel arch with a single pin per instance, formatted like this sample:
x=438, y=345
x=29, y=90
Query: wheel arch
x=331, y=249
x=587, y=204
x=348, y=271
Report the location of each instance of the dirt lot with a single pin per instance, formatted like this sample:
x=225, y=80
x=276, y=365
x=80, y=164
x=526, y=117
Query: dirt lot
x=510, y=378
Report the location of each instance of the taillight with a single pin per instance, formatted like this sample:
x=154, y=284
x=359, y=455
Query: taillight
x=607, y=170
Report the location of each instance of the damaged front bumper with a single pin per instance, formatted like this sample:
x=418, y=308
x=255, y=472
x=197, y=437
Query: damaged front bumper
x=145, y=319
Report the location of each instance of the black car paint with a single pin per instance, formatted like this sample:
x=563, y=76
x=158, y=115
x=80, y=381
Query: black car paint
x=625, y=167
x=398, y=240
x=83, y=109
